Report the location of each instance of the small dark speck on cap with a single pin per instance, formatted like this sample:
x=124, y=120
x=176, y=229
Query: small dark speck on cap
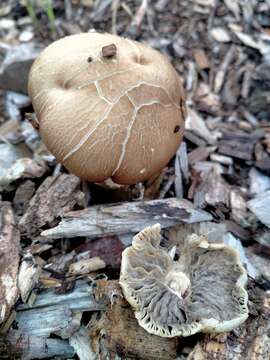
x=89, y=59
x=176, y=129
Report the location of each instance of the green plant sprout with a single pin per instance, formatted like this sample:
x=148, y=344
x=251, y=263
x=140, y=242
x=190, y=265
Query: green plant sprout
x=31, y=11
x=46, y=5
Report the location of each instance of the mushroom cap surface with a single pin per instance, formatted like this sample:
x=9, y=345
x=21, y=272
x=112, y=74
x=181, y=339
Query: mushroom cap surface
x=108, y=107
x=203, y=291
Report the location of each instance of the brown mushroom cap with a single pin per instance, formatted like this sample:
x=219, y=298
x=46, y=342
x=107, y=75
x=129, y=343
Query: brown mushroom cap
x=202, y=291
x=107, y=111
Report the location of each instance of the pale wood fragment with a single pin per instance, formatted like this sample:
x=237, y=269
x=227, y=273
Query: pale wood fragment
x=124, y=218
x=9, y=259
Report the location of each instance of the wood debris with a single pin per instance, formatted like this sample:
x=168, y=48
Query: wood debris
x=220, y=35
x=125, y=218
x=29, y=273
x=86, y=266
x=201, y=59
x=23, y=168
x=258, y=182
x=9, y=260
x=196, y=124
x=260, y=207
x=238, y=207
x=213, y=190
x=57, y=230
x=55, y=196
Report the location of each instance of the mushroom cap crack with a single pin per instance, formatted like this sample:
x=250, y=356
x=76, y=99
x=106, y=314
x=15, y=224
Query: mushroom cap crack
x=113, y=117
x=203, y=291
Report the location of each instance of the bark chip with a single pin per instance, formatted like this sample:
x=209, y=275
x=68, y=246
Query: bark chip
x=109, y=51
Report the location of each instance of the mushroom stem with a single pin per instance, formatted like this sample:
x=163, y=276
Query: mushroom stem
x=178, y=282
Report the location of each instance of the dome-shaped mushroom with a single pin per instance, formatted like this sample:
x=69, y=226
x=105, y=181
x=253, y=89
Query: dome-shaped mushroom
x=202, y=291
x=107, y=107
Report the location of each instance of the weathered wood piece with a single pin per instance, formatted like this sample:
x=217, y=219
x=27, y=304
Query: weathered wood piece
x=264, y=165
x=195, y=123
x=23, y=195
x=85, y=266
x=81, y=344
x=238, y=207
x=16, y=64
x=81, y=298
x=30, y=336
x=26, y=347
x=23, y=168
x=236, y=149
x=258, y=182
x=239, y=144
x=48, y=320
x=260, y=263
x=212, y=190
x=123, y=218
x=28, y=276
x=55, y=196
x=260, y=206
x=9, y=259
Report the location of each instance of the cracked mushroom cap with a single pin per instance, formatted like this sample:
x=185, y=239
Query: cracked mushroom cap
x=203, y=291
x=107, y=107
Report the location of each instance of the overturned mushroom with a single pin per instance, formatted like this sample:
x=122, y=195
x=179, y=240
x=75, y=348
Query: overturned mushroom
x=203, y=291
x=107, y=107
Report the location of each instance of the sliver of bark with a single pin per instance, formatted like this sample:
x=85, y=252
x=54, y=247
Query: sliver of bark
x=236, y=149
x=126, y=218
x=55, y=196
x=213, y=190
x=9, y=259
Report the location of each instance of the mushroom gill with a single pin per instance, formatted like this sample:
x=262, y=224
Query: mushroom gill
x=202, y=291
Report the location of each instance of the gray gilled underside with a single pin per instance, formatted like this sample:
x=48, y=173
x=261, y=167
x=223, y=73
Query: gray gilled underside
x=204, y=291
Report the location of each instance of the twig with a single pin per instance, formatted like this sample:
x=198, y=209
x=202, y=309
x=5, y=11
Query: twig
x=115, y=7
x=138, y=18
